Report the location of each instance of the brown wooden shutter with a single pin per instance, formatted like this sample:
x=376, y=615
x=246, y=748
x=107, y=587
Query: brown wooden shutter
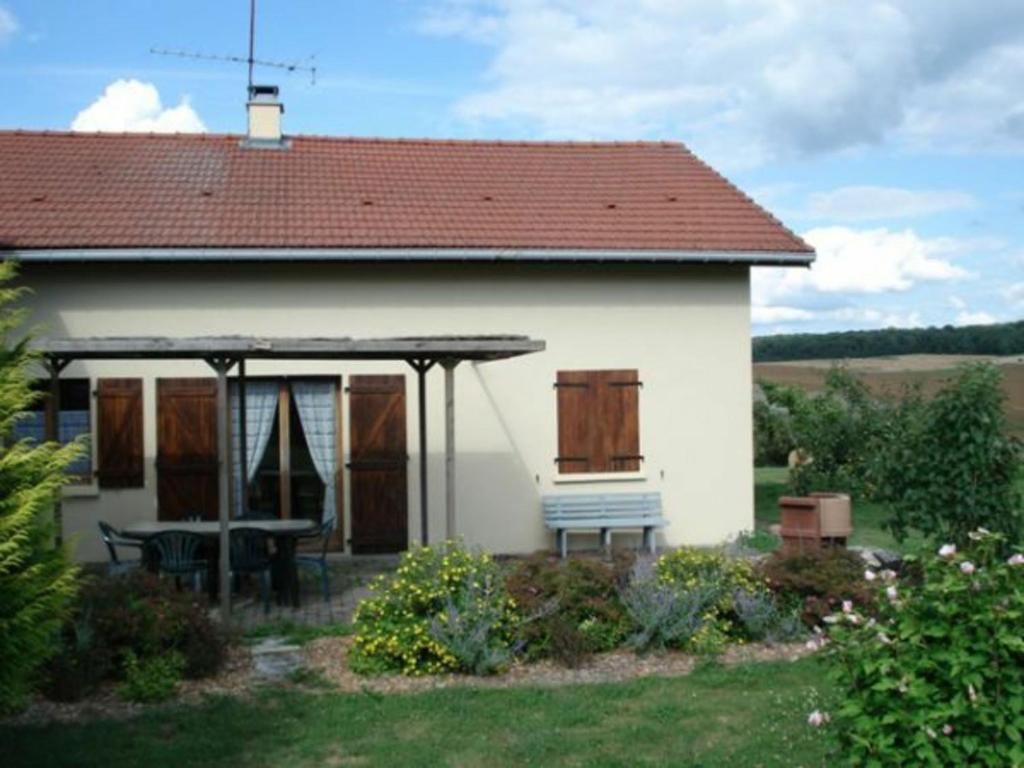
x=120, y=462
x=598, y=421
x=575, y=401
x=618, y=414
x=186, y=446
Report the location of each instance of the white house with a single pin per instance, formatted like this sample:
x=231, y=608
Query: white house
x=629, y=261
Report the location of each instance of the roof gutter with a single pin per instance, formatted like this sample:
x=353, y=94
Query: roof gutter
x=753, y=258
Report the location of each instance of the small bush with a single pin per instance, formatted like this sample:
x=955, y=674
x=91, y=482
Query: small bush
x=152, y=680
x=471, y=629
x=147, y=616
x=79, y=666
x=816, y=582
x=393, y=627
x=718, y=577
x=572, y=607
x=937, y=678
x=665, y=616
x=760, y=617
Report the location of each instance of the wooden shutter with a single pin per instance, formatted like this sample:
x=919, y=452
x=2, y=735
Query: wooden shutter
x=186, y=445
x=618, y=415
x=598, y=421
x=119, y=433
x=575, y=404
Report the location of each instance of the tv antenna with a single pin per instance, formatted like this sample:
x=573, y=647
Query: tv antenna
x=250, y=60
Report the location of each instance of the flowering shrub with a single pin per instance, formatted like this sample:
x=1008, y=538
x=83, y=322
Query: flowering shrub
x=816, y=582
x=937, y=676
x=571, y=607
x=665, y=616
x=719, y=577
x=418, y=620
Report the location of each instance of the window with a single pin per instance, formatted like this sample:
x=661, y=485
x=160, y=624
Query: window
x=598, y=421
x=74, y=420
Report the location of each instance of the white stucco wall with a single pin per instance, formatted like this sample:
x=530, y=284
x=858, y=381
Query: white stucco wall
x=686, y=329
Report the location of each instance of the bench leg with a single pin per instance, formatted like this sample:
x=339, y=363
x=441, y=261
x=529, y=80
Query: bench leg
x=563, y=545
x=606, y=540
x=649, y=539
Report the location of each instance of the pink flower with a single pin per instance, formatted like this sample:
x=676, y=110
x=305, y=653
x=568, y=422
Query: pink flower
x=967, y=567
x=947, y=729
x=889, y=575
x=891, y=592
x=817, y=718
x=847, y=606
x=947, y=551
x=1017, y=559
x=870, y=575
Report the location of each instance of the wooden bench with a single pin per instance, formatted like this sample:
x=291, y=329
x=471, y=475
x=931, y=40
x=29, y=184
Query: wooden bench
x=603, y=512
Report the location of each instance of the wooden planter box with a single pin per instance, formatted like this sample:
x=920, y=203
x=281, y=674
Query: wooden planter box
x=815, y=521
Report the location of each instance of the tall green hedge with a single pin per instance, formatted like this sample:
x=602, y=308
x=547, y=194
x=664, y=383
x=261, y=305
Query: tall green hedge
x=37, y=580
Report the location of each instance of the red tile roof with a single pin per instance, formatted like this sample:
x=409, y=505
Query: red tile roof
x=67, y=190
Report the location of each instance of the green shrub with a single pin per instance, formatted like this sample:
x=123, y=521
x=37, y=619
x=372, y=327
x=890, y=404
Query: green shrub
x=773, y=433
x=471, y=628
x=665, y=616
x=37, y=580
x=152, y=680
x=571, y=607
x=146, y=616
x=816, y=582
x=80, y=664
x=956, y=469
x=938, y=677
x=720, y=576
x=393, y=627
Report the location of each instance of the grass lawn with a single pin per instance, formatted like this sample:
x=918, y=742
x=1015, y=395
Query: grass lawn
x=868, y=518
x=752, y=715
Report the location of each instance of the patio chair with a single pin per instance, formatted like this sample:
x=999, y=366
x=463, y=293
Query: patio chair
x=250, y=554
x=177, y=553
x=257, y=515
x=319, y=561
x=113, y=539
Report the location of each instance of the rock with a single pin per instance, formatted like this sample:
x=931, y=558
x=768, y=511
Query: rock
x=868, y=556
x=876, y=557
x=274, y=659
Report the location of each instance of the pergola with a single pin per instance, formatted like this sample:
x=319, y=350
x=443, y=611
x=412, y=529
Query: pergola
x=223, y=353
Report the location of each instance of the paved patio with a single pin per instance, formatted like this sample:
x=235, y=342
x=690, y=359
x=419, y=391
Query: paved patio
x=350, y=577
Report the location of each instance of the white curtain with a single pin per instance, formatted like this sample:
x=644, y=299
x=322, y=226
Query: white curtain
x=260, y=410
x=316, y=402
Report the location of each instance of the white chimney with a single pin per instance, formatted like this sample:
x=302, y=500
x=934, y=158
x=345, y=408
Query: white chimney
x=264, y=114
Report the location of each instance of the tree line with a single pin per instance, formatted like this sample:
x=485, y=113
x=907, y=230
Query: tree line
x=994, y=339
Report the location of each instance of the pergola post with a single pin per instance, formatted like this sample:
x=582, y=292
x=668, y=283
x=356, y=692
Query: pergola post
x=421, y=367
x=449, y=447
x=222, y=365
x=243, y=461
x=51, y=433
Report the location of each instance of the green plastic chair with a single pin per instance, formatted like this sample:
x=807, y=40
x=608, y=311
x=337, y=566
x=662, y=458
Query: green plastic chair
x=114, y=539
x=319, y=562
x=177, y=553
x=250, y=554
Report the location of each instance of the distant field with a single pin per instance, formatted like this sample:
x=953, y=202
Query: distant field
x=888, y=375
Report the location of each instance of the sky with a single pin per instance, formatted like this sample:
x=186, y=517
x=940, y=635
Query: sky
x=890, y=135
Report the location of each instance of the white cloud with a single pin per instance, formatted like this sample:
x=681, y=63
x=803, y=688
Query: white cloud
x=854, y=261
x=1014, y=295
x=863, y=203
x=761, y=314
x=131, y=105
x=975, y=318
x=8, y=25
x=745, y=81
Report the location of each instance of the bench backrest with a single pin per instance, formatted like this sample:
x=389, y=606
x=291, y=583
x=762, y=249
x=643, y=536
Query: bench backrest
x=602, y=505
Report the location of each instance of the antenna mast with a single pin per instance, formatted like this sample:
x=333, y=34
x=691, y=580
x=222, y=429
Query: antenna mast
x=251, y=61
x=252, y=41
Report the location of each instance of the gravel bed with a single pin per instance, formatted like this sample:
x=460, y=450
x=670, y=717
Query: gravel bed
x=328, y=657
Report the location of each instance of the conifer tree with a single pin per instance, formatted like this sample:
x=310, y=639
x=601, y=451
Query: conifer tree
x=37, y=579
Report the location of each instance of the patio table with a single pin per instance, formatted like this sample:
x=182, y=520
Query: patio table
x=283, y=532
